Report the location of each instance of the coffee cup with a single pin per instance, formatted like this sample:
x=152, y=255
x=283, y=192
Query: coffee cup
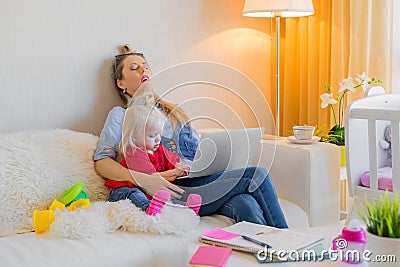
x=303, y=132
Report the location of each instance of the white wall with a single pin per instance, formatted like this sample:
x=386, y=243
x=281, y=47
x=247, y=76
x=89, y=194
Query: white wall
x=56, y=54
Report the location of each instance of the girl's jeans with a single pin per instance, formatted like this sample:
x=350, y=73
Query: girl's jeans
x=135, y=195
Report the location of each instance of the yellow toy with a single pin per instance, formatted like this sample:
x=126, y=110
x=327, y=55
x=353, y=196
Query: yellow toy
x=79, y=204
x=74, y=199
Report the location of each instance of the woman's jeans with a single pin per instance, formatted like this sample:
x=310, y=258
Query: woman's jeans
x=243, y=194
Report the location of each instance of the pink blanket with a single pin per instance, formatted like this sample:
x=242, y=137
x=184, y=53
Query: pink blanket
x=384, y=179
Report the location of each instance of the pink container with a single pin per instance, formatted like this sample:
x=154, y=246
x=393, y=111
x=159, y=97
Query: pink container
x=351, y=244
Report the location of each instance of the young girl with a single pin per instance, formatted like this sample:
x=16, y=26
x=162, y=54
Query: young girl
x=143, y=152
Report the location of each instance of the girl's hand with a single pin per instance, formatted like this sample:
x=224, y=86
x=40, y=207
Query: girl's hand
x=154, y=182
x=184, y=169
x=171, y=178
x=170, y=175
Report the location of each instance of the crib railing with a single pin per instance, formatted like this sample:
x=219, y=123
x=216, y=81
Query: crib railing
x=365, y=122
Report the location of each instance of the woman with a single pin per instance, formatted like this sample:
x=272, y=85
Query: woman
x=243, y=194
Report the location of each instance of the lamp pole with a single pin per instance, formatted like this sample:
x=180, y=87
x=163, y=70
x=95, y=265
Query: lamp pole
x=278, y=9
x=277, y=90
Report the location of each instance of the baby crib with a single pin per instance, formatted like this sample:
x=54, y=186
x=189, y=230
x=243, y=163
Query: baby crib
x=366, y=119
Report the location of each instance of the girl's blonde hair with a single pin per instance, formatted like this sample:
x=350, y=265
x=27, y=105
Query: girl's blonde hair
x=175, y=115
x=139, y=116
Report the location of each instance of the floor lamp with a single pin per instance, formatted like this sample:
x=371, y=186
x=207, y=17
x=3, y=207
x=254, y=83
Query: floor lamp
x=278, y=9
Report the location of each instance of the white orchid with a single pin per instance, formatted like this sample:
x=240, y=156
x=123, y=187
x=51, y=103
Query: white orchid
x=363, y=80
x=347, y=85
x=327, y=99
x=330, y=99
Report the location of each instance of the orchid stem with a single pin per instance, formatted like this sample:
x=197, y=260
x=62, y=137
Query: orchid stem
x=341, y=112
x=334, y=115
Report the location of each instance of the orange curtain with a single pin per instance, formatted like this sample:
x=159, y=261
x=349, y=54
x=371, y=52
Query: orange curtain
x=311, y=58
x=342, y=38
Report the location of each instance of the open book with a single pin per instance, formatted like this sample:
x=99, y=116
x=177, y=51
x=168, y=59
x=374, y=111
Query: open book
x=238, y=237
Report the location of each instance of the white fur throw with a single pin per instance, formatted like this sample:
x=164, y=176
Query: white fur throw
x=38, y=167
x=105, y=217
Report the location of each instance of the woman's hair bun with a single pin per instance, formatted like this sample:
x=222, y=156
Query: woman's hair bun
x=126, y=49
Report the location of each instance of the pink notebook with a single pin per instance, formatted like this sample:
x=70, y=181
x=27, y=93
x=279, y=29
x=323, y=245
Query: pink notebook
x=210, y=256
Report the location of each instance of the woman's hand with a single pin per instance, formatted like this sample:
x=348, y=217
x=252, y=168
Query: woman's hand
x=179, y=170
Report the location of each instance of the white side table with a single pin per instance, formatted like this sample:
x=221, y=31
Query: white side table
x=308, y=175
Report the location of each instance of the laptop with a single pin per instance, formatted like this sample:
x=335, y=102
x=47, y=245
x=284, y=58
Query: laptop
x=221, y=150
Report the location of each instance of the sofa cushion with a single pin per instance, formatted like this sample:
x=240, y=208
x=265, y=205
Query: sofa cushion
x=38, y=167
x=115, y=249
x=295, y=216
x=112, y=249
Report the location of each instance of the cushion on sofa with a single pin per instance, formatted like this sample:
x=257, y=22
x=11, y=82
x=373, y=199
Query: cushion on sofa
x=38, y=167
x=119, y=249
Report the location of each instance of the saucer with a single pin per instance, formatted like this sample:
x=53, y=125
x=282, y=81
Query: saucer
x=314, y=139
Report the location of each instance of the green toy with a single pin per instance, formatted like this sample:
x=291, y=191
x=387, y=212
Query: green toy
x=74, y=193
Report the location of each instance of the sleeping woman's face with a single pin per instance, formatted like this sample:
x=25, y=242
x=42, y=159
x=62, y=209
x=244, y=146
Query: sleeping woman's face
x=135, y=72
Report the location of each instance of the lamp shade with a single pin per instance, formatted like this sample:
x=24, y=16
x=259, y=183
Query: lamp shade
x=282, y=8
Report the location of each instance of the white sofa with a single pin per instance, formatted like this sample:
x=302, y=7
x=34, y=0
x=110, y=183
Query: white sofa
x=56, y=159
